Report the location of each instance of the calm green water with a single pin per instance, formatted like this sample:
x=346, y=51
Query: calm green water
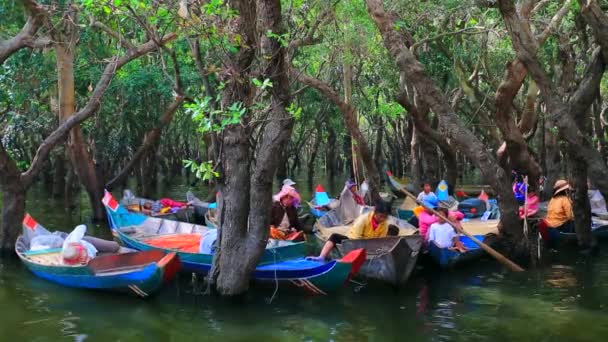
x=567, y=301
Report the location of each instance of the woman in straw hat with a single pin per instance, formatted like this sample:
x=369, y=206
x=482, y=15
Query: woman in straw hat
x=559, y=213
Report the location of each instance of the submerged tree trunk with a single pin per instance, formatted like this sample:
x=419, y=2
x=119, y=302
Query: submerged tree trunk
x=349, y=114
x=449, y=122
x=80, y=157
x=581, y=207
x=313, y=155
x=246, y=190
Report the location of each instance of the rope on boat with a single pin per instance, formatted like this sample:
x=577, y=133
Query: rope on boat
x=380, y=252
x=276, y=279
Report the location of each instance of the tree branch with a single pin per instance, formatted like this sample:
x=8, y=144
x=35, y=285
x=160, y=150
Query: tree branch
x=89, y=109
x=25, y=38
x=598, y=21
x=150, y=139
x=125, y=43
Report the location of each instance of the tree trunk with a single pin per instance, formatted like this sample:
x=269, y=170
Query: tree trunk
x=13, y=202
x=581, y=207
x=82, y=160
x=13, y=210
x=450, y=123
x=245, y=196
x=313, y=155
x=331, y=157
x=59, y=175
x=349, y=114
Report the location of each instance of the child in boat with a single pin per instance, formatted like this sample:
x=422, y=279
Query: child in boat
x=367, y=226
x=426, y=193
x=426, y=218
x=284, y=222
x=444, y=235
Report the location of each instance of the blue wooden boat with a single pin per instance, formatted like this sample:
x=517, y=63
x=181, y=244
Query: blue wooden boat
x=448, y=258
x=599, y=229
x=283, y=261
x=139, y=273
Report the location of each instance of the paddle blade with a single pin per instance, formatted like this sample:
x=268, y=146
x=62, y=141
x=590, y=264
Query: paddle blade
x=356, y=258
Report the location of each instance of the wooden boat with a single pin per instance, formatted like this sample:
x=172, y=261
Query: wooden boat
x=390, y=259
x=140, y=273
x=474, y=190
x=283, y=261
x=599, y=229
x=142, y=232
x=446, y=257
x=136, y=204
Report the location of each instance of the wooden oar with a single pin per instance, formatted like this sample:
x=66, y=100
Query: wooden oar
x=510, y=264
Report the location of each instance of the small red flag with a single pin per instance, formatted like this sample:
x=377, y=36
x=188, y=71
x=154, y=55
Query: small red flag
x=388, y=173
x=319, y=188
x=29, y=222
x=109, y=201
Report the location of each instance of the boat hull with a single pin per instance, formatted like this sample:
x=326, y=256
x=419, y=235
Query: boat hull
x=390, y=260
x=143, y=280
x=445, y=257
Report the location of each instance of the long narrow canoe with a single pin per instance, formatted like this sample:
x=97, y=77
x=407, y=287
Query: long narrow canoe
x=139, y=273
x=599, y=229
x=283, y=261
x=390, y=259
x=446, y=257
x=135, y=204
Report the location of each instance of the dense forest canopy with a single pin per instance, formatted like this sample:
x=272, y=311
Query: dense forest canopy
x=240, y=92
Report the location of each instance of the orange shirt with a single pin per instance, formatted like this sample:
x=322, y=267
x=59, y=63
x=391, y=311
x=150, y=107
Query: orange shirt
x=559, y=211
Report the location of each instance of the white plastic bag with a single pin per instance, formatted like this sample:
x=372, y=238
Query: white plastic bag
x=46, y=241
x=76, y=237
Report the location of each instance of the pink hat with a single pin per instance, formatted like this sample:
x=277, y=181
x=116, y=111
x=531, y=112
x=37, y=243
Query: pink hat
x=287, y=190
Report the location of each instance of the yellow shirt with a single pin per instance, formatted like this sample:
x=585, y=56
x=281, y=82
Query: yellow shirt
x=559, y=211
x=362, y=228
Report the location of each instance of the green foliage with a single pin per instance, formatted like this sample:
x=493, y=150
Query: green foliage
x=202, y=171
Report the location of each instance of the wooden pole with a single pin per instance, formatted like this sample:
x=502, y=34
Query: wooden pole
x=501, y=258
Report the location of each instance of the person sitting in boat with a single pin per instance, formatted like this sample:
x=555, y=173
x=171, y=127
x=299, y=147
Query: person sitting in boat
x=370, y=225
x=289, y=182
x=560, y=216
x=530, y=206
x=284, y=222
x=519, y=189
x=442, y=234
x=351, y=185
x=426, y=218
x=426, y=193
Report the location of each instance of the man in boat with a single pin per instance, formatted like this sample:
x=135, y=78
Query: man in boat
x=560, y=216
x=444, y=235
x=370, y=225
x=284, y=222
x=426, y=193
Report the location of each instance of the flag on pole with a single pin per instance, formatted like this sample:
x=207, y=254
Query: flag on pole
x=109, y=201
x=29, y=222
x=321, y=197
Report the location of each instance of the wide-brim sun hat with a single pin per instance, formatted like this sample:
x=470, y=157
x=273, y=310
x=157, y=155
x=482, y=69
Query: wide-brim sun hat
x=560, y=186
x=289, y=181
